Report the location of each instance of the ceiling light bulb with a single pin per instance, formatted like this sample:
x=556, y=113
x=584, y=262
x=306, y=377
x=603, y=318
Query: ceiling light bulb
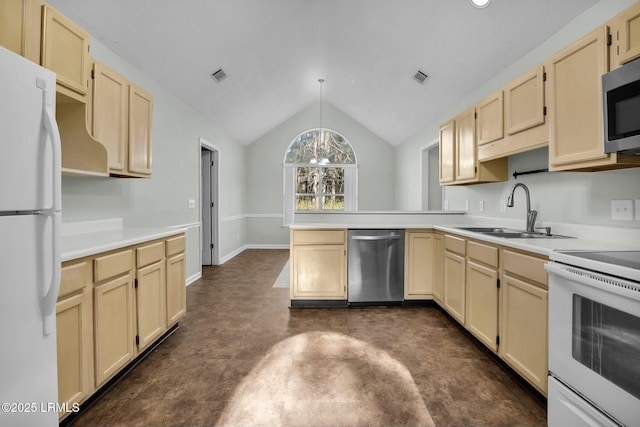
x=480, y=3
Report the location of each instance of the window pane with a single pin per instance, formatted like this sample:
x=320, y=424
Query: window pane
x=307, y=180
x=312, y=146
x=306, y=203
x=333, y=202
x=332, y=181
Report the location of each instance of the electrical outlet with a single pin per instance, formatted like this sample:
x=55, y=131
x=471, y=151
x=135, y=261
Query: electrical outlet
x=503, y=205
x=622, y=210
x=446, y=205
x=481, y=206
x=466, y=206
x=191, y=203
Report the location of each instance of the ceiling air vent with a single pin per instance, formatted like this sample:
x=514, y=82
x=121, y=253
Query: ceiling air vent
x=420, y=77
x=218, y=75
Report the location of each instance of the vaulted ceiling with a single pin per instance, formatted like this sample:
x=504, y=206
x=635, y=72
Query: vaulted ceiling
x=274, y=52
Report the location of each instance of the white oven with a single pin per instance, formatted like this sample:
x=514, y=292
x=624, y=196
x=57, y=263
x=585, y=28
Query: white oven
x=594, y=339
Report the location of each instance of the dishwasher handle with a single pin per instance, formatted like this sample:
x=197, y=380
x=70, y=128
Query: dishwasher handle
x=375, y=237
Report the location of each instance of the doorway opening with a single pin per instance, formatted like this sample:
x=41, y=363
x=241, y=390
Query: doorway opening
x=431, y=190
x=209, y=173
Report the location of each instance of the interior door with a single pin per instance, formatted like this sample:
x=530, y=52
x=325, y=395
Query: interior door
x=207, y=208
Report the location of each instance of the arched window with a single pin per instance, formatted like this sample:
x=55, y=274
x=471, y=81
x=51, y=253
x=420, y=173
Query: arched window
x=320, y=173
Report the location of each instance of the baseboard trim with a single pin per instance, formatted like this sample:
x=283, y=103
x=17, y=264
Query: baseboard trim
x=243, y=248
x=194, y=277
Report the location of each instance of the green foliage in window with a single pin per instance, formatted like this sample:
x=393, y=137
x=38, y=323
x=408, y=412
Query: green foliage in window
x=316, y=147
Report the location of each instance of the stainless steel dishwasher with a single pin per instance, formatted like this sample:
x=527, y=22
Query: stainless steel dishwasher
x=376, y=266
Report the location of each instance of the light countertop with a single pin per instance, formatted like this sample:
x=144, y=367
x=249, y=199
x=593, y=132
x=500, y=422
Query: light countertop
x=91, y=237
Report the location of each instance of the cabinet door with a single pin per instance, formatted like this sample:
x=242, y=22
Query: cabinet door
x=490, y=122
x=447, y=152
x=319, y=272
x=438, y=267
x=629, y=34
x=65, y=51
x=75, y=349
x=110, y=114
x=465, y=152
x=140, y=115
x=454, y=285
x=151, y=304
x=176, y=289
x=419, y=260
x=524, y=333
x=11, y=25
x=524, y=102
x=575, y=102
x=482, y=303
x=114, y=326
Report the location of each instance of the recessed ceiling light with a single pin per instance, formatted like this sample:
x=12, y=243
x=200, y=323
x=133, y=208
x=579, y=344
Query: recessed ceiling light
x=480, y=3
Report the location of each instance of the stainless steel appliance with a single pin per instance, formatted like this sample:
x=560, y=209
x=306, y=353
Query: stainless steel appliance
x=376, y=266
x=29, y=243
x=621, y=109
x=594, y=339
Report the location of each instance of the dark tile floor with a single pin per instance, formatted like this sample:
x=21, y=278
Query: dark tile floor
x=242, y=357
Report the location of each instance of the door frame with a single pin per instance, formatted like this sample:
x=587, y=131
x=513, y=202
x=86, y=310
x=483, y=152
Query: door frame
x=215, y=193
x=425, y=175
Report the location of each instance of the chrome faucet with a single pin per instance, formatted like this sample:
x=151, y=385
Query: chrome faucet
x=531, y=215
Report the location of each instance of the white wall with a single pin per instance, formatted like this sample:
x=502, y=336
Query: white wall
x=561, y=197
x=162, y=199
x=265, y=176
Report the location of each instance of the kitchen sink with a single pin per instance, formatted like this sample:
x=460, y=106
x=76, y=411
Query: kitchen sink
x=513, y=234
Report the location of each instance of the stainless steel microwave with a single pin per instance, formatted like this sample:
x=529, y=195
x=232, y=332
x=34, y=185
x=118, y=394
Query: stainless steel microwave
x=621, y=109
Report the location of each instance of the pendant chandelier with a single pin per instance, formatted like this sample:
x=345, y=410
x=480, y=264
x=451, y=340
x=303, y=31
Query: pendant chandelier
x=321, y=143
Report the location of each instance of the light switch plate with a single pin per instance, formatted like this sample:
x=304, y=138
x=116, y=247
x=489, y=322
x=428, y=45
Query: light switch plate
x=446, y=205
x=192, y=204
x=466, y=205
x=481, y=206
x=622, y=210
x=503, y=205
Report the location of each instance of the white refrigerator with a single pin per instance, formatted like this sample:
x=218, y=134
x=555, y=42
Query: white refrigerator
x=29, y=242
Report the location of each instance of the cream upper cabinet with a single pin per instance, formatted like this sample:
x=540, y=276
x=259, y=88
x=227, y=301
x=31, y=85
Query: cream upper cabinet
x=482, y=292
x=419, y=257
x=318, y=264
x=459, y=154
x=121, y=121
x=21, y=27
x=524, y=102
x=140, y=119
x=490, y=118
x=110, y=114
x=465, y=155
x=625, y=37
x=447, y=152
x=438, y=266
x=524, y=313
x=454, y=277
x=65, y=51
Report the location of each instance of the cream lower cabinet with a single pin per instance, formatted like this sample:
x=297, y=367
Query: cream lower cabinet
x=482, y=283
x=113, y=313
x=524, y=315
x=438, y=267
x=454, y=277
x=418, y=264
x=176, y=279
x=319, y=264
x=151, y=300
x=74, y=333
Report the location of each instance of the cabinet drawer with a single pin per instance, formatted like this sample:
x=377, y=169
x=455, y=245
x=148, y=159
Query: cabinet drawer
x=112, y=265
x=454, y=244
x=318, y=237
x=73, y=279
x=149, y=254
x=526, y=266
x=485, y=254
x=175, y=245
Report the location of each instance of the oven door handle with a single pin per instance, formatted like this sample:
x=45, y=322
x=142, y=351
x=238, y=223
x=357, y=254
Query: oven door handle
x=596, y=280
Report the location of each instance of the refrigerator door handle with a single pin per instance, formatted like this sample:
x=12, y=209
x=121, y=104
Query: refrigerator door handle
x=51, y=295
x=51, y=126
